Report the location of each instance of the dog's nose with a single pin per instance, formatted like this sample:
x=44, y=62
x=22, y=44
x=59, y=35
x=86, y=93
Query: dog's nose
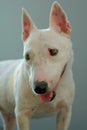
x=40, y=87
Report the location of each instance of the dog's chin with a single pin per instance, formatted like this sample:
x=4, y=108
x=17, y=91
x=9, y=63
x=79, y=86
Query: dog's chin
x=49, y=96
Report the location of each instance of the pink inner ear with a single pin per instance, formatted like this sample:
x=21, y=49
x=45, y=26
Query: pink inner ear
x=58, y=19
x=26, y=28
x=63, y=24
x=26, y=25
x=25, y=35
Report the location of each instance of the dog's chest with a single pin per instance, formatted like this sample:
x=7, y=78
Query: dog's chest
x=44, y=110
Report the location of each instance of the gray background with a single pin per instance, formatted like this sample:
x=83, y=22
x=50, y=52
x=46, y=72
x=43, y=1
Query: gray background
x=11, y=47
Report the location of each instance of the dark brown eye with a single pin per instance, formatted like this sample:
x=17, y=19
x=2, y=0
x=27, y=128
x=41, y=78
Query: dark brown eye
x=27, y=56
x=53, y=52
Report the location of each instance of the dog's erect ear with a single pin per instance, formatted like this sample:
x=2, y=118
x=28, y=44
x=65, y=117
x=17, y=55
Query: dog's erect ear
x=58, y=19
x=27, y=25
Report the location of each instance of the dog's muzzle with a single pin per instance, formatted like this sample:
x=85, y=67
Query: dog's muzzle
x=41, y=88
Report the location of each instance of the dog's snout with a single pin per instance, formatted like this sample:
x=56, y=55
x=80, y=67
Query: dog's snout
x=40, y=87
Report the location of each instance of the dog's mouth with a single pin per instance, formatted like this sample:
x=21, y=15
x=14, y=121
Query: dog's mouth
x=45, y=98
x=49, y=96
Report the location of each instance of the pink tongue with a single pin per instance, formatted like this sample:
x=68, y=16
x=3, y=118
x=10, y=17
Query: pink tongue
x=46, y=97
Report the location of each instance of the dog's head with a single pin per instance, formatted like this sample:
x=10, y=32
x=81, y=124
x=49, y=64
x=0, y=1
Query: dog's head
x=47, y=52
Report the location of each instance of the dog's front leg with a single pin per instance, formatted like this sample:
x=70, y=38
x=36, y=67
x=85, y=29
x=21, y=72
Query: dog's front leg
x=22, y=119
x=63, y=118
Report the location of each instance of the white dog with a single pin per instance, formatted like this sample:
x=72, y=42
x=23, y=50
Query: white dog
x=41, y=84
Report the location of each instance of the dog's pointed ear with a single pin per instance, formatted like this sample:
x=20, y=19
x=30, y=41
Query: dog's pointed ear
x=27, y=24
x=58, y=19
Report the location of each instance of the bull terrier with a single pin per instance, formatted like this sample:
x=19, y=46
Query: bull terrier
x=41, y=84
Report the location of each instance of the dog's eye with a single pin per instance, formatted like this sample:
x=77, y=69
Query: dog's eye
x=27, y=56
x=53, y=52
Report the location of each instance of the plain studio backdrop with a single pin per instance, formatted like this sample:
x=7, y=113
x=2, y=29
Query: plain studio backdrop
x=11, y=47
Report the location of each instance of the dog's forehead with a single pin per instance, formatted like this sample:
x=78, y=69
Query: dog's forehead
x=40, y=39
x=52, y=38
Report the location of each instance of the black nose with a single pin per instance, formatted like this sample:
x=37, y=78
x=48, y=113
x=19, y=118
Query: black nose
x=40, y=87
